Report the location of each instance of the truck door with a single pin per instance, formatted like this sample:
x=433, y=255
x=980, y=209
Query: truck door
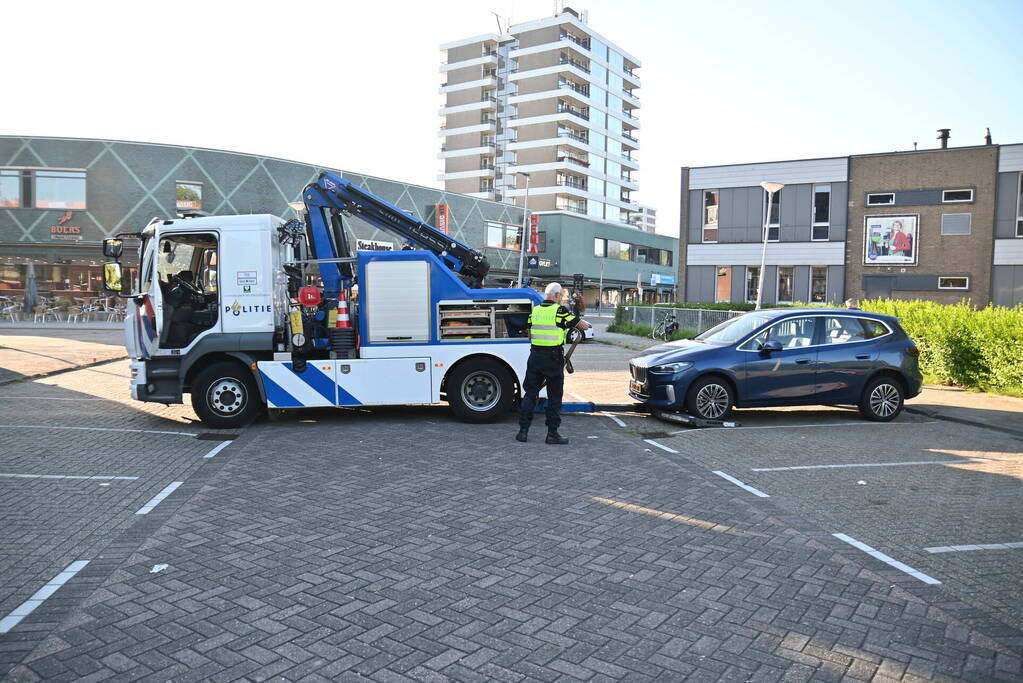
x=186, y=277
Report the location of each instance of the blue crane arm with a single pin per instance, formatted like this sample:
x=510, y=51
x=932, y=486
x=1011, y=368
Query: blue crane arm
x=331, y=191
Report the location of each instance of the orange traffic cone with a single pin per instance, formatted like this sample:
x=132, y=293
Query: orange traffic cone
x=344, y=322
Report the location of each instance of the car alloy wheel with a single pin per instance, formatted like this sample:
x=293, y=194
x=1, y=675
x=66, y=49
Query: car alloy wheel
x=712, y=401
x=884, y=400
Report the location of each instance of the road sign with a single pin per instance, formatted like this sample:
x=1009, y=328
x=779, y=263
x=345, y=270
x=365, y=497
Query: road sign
x=533, y=262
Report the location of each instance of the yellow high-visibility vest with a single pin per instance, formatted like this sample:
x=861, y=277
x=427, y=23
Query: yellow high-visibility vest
x=544, y=330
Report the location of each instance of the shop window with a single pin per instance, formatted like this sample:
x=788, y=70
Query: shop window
x=599, y=247
x=59, y=189
x=502, y=235
x=953, y=282
x=818, y=284
x=881, y=199
x=10, y=188
x=784, y=284
x=189, y=195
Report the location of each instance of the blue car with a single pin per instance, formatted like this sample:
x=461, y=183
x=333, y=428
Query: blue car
x=783, y=357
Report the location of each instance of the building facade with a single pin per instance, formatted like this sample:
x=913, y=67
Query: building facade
x=644, y=219
x=60, y=197
x=941, y=224
x=550, y=98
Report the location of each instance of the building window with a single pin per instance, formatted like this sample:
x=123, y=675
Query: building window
x=189, y=195
x=10, y=188
x=710, y=215
x=502, y=235
x=953, y=282
x=752, y=282
x=955, y=223
x=1019, y=207
x=784, y=284
x=821, y=212
x=59, y=189
x=599, y=247
x=486, y=184
x=954, y=196
x=880, y=198
x=818, y=284
x=774, y=218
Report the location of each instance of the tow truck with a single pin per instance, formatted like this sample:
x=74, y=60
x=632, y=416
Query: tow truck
x=248, y=313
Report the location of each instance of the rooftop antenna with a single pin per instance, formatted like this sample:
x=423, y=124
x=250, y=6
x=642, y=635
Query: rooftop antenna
x=497, y=17
x=987, y=136
x=914, y=146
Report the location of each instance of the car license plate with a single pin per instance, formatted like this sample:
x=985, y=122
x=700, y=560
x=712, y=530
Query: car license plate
x=636, y=387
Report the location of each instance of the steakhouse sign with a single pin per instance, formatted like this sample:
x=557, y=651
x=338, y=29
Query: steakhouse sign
x=63, y=231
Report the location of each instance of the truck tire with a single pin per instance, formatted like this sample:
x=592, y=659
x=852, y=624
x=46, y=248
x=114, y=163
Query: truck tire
x=225, y=396
x=480, y=390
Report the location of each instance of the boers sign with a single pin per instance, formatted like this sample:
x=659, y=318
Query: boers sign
x=890, y=240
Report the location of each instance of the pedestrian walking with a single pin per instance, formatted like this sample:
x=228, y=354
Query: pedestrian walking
x=548, y=324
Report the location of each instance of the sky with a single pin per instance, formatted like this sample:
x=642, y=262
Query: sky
x=355, y=85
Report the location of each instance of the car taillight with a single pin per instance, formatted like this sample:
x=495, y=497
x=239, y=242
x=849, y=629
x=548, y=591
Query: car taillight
x=913, y=351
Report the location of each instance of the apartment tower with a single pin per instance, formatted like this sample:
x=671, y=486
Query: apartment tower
x=549, y=98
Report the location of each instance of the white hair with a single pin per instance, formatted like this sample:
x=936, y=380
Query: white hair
x=552, y=291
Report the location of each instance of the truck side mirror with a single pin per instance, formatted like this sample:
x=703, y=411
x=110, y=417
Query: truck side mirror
x=112, y=277
x=113, y=248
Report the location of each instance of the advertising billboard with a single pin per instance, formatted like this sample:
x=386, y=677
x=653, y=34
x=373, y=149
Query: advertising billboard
x=890, y=240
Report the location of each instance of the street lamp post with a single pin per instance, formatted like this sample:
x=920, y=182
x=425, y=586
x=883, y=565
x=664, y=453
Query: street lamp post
x=525, y=229
x=600, y=289
x=771, y=189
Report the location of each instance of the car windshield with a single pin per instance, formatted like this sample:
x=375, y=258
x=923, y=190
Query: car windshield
x=732, y=330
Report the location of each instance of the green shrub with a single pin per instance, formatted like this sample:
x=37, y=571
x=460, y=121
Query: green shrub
x=960, y=345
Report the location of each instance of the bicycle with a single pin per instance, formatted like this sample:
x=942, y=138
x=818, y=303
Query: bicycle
x=665, y=328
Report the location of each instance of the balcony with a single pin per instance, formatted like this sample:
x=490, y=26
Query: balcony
x=574, y=160
x=570, y=181
x=581, y=42
x=583, y=90
x=629, y=137
x=577, y=64
x=566, y=109
x=574, y=208
x=574, y=136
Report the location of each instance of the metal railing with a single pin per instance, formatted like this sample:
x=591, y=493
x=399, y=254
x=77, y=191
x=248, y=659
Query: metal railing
x=693, y=319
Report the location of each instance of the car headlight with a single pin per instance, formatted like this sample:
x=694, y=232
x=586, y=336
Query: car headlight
x=671, y=368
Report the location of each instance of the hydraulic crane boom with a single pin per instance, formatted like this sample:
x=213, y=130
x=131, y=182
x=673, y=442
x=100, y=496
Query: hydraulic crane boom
x=331, y=194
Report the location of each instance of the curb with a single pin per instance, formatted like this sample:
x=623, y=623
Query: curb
x=962, y=420
x=61, y=371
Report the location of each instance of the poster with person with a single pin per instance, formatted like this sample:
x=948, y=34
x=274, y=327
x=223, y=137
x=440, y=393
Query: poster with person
x=889, y=240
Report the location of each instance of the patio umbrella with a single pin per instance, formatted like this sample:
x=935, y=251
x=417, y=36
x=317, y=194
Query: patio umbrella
x=31, y=289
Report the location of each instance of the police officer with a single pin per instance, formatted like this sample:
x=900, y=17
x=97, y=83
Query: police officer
x=547, y=325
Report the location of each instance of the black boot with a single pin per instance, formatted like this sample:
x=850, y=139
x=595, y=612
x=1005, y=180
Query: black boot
x=521, y=436
x=555, y=438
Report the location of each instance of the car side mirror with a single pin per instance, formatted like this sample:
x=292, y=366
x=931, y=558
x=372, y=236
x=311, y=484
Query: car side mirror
x=770, y=346
x=112, y=277
x=113, y=248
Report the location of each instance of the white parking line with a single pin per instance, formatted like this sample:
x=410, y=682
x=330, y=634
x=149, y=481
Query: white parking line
x=863, y=464
x=216, y=449
x=26, y=608
x=754, y=491
x=104, y=477
x=99, y=429
x=979, y=546
x=155, y=500
x=578, y=397
x=618, y=420
x=873, y=552
x=660, y=445
x=820, y=424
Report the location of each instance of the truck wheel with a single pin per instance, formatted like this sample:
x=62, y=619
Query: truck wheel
x=225, y=396
x=480, y=390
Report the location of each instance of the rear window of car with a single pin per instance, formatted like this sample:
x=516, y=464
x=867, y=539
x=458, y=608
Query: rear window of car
x=873, y=328
x=845, y=329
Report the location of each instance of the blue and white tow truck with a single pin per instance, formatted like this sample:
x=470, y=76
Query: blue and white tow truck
x=224, y=311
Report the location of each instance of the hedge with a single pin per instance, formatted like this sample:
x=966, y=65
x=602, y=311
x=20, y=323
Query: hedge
x=961, y=345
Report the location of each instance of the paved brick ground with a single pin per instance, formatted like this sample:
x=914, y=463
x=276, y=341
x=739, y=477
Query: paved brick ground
x=407, y=546
x=30, y=352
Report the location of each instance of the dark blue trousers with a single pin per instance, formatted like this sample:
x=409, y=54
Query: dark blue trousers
x=546, y=363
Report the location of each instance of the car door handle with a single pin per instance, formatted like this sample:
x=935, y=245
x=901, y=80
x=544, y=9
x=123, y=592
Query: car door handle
x=863, y=356
x=803, y=361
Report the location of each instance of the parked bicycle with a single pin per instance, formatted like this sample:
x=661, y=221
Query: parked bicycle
x=667, y=326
